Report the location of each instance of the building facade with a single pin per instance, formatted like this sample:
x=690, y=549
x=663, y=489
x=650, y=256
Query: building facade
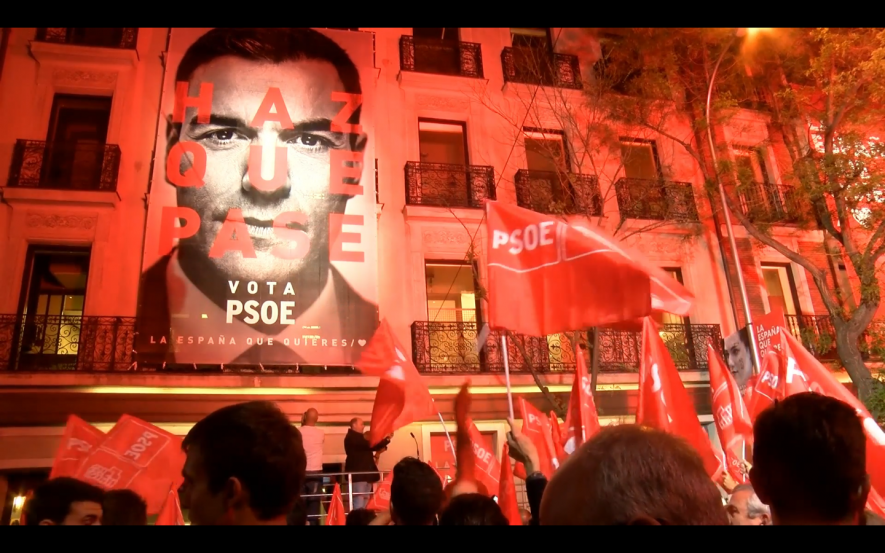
x=459, y=116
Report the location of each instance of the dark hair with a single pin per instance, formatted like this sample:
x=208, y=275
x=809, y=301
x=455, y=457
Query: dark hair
x=809, y=458
x=416, y=493
x=255, y=443
x=360, y=517
x=123, y=508
x=52, y=500
x=298, y=514
x=473, y=509
x=627, y=473
x=353, y=421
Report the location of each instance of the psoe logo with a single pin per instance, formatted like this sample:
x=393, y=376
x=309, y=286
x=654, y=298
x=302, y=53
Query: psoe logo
x=105, y=476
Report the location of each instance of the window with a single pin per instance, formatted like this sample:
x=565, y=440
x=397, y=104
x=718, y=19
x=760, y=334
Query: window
x=437, y=51
x=78, y=129
x=640, y=159
x=532, y=55
x=53, y=296
x=537, y=38
x=442, y=142
x=751, y=166
x=451, y=292
x=781, y=289
x=433, y=33
x=845, y=285
x=545, y=150
x=544, y=185
x=669, y=318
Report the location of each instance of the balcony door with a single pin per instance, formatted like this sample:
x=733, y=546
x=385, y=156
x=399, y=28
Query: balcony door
x=453, y=311
x=437, y=50
x=547, y=160
x=78, y=131
x=781, y=289
x=645, y=190
x=443, y=173
x=51, y=305
x=532, y=55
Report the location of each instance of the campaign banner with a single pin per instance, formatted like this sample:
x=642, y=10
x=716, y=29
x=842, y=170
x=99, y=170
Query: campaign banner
x=739, y=356
x=260, y=241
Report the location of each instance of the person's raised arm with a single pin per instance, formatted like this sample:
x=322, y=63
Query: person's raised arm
x=523, y=450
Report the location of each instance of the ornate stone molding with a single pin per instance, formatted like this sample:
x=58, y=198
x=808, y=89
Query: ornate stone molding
x=73, y=222
x=79, y=76
x=445, y=237
x=442, y=103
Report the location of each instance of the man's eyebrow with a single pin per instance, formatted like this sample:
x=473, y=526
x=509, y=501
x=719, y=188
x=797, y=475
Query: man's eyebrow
x=221, y=121
x=310, y=125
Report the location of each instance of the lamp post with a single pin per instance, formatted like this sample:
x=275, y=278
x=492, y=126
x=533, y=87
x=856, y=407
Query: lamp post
x=725, y=212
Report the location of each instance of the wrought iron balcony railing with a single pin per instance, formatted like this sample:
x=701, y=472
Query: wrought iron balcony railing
x=558, y=192
x=447, y=185
x=816, y=333
x=451, y=347
x=656, y=199
x=110, y=37
x=542, y=67
x=769, y=203
x=64, y=165
x=443, y=57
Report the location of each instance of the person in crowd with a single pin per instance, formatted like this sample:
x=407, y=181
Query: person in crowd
x=123, y=508
x=313, y=438
x=359, y=517
x=624, y=475
x=472, y=509
x=809, y=459
x=245, y=466
x=298, y=514
x=745, y=509
x=64, y=502
x=360, y=458
x=416, y=495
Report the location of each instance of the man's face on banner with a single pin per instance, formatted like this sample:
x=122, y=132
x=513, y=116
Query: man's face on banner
x=240, y=86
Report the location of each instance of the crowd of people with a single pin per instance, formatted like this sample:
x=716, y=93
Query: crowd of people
x=248, y=465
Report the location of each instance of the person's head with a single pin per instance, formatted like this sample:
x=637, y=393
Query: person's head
x=310, y=417
x=64, y=502
x=809, y=461
x=628, y=474
x=739, y=357
x=745, y=509
x=123, y=508
x=246, y=66
x=245, y=465
x=357, y=425
x=359, y=517
x=472, y=509
x=526, y=516
x=416, y=493
x=298, y=515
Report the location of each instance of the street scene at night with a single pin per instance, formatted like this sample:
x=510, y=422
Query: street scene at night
x=442, y=276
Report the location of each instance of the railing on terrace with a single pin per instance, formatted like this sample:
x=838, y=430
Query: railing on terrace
x=443, y=57
x=656, y=200
x=103, y=37
x=558, y=192
x=541, y=67
x=769, y=203
x=447, y=185
x=64, y=165
x=451, y=348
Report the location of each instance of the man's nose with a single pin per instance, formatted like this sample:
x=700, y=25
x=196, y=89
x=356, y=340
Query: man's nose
x=267, y=168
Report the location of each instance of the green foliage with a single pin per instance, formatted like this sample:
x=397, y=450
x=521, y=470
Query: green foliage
x=876, y=400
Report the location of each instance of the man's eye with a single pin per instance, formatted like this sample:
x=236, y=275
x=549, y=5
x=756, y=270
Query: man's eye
x=223, y=135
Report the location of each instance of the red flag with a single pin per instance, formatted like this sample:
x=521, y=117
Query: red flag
x=170, y=514
x=565, y=277
x=793, y=370
x=336, y=516
x=582, y=420
x=875, y=503
x=507, y=496
x=557, y=438
x=476, y=461
x=402, y=397
x=732, y=419
x=663, y=402
x=136, y=455
x=536, y=427
x=380, y=500
x=78, y=440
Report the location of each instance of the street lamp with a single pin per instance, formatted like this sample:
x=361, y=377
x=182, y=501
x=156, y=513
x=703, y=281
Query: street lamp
x=725, y=212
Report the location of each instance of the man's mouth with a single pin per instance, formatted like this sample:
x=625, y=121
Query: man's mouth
x=264, y=228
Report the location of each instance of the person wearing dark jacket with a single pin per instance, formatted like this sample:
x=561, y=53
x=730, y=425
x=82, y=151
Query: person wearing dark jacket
x=361, y=459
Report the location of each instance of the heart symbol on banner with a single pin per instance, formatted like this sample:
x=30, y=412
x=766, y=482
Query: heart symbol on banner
x=361, y=342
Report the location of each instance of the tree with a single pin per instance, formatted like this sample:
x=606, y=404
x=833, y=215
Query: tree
x=824, y=90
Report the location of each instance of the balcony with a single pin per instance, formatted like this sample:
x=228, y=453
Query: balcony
x=442, y=57
x=450, y=348
x=123, y=38
x=656, y=200
x=541, y=67
x=64, y=166
x=558, y=192
x=447, y=185
x=816, y=333
x=769, y=203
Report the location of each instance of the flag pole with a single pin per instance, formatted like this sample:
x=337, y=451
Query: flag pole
x=507, y=375
x=448, y=436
